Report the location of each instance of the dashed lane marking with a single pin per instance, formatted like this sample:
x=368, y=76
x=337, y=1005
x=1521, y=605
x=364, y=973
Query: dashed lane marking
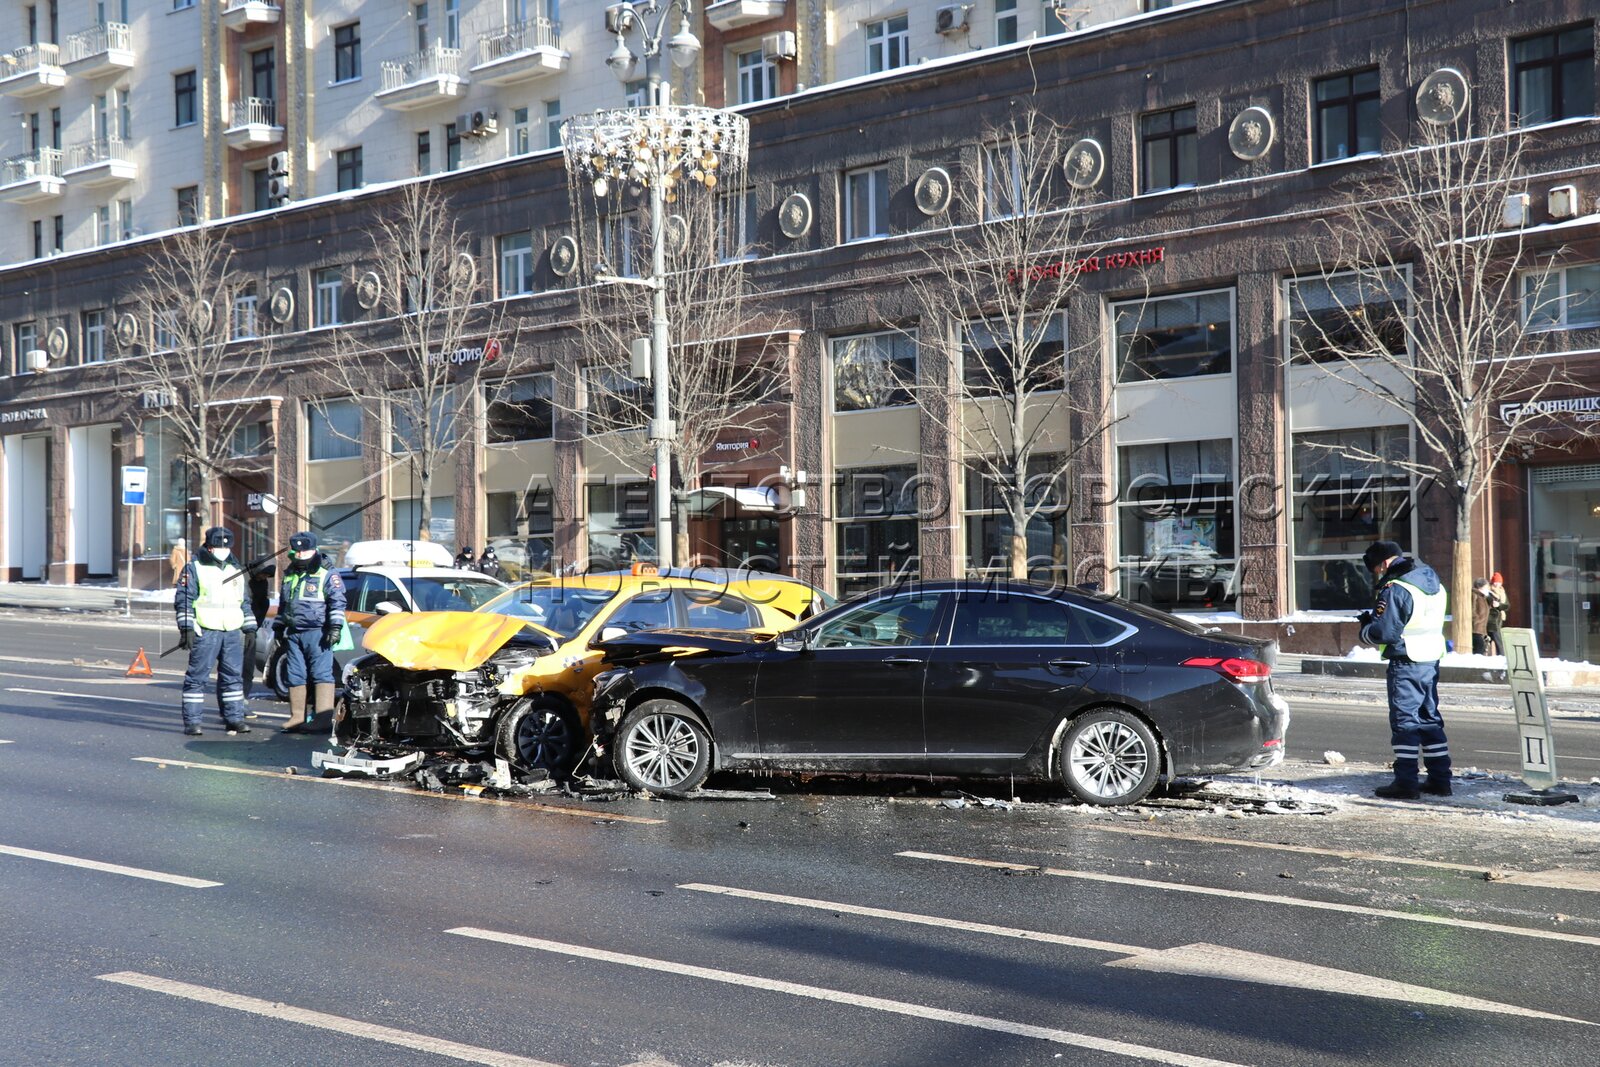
x=118, y=667
x=87, y=696
x=7, y=742
x=858, y=1000
x=1265, y=898
x=108, y=868
x=410, y=791
x=1202, y=960
x=322, y=1020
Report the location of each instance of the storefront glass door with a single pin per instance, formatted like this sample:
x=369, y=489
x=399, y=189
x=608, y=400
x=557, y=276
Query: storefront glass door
x=1565, y=513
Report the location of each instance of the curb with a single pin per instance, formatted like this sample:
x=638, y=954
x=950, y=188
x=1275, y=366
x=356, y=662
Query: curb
x=1347, y=668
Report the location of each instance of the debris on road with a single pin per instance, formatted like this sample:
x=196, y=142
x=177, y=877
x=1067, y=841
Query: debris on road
x=1333, y=758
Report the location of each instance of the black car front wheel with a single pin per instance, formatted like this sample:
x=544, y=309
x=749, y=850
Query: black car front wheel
x=543, y=736
x=1109, y=757
x=661, y=747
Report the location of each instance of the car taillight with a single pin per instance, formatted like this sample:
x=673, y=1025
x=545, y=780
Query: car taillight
x=1231, y=668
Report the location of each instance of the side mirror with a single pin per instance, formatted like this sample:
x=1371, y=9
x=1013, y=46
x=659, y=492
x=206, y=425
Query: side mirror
x=792, y=641
x=389, y=607
x=611, y=633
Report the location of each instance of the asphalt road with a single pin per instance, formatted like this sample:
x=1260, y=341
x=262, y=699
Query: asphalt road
x=259, y=917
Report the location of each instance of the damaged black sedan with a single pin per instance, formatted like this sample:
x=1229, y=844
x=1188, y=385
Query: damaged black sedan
x=957, y=679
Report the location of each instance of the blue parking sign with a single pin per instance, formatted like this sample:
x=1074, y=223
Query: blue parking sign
x=135, y=480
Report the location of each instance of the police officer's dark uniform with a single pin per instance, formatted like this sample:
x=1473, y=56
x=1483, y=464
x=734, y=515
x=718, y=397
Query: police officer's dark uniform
x=310, y=618
x=212, y=601
x=1407, y=623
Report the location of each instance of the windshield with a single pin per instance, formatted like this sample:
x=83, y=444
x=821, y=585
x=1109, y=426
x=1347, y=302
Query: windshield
x=451, y=594
x=564, y=609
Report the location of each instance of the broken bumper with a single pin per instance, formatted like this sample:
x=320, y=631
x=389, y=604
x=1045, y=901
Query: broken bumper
x=352, y=765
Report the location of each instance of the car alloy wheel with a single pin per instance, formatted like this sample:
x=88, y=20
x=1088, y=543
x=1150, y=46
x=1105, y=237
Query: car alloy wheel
x=540, y=737
x=1110, y=757
x=662, y=748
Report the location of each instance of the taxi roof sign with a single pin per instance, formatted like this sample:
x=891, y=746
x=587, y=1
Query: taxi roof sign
x=398, y=554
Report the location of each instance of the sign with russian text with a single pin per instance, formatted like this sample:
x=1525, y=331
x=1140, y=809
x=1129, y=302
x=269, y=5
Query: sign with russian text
x=1535, y=744
x=1115, y=259
x=135, y=480
x=1579, y=408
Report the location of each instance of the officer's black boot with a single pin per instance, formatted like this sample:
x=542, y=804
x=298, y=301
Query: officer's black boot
x=1404, y=786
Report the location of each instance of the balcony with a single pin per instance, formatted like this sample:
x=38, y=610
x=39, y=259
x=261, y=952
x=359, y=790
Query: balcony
x=421, y=79
x=255, y=123
x=31, y=179
x=520, y=52
x=32, y=70
x=104, y=49
x=728, y=15
x=103, y=161
x=240, y=15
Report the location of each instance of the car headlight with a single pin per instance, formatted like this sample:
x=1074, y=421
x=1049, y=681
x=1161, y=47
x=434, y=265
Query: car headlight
x=344, y=675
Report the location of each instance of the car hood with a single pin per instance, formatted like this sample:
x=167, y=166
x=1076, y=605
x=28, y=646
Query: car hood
x=645, y=642
x=449, y=640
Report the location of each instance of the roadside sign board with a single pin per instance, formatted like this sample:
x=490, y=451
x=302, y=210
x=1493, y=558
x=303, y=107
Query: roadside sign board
x=1536, y=745
x=135, y=480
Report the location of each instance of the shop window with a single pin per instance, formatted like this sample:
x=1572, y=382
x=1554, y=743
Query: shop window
x=516, y=264
x=621, y=523
x=988, y=522
x=888, y=44
x=873, y=370
x=1563, y=298
x=1176, y=530
x=334, y=430
x=1564, y=519
x=167, y=494
x=417, y=421
x=1174, y=337
x=991, y=367
x=520, y=410
x=1169, y=146
x=521, y=528
x=866, y=203
x=876, y=538
x=1351, y=488
x=1345, y=316
x=1348, y=122
x=1552, y=76
x=406, y=516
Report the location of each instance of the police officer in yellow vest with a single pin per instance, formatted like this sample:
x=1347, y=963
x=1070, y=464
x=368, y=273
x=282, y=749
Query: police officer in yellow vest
x=213, y=605
x=1407, y=623
x=310, y=622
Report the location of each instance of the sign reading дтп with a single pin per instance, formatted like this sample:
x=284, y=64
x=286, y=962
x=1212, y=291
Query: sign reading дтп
x=1536, y=745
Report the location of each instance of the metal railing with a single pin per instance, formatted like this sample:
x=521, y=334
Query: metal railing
x=99, y=150
x=45, y=163
x=430, y=63
x=106, y=37
x=254, y=111
x=29, y=58
x=235, y=5
x=518, y=37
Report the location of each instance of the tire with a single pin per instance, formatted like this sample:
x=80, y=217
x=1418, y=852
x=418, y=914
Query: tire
x=1109, y=757
x=540, y=737
x=277, y=674
x=661, y=747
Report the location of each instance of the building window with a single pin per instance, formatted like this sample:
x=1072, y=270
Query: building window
x=424, y=152
x=1054, y=17
x=164, y=330
x=888, y=44
x=335, y=430
x=406, y=518
x=612, y=401
x=1175, y=512
x=348, y=168
x=38, y=238
x=1347, y=119
x=621, y=522
x=181, y=5
x=419, y=18
x=244, y=317
x=516, y=264
x=183, y=96
x=407, y=436
x=1005, y=21
x=873, y=370
x=636, y=93
x=758, y=77
x=521, y=528
x=737, y=229
x=621, y=239
x=552, y=123
x=1169, y=147
x=94, y=336
x=125, y=219
x=328, y=286
x=1351, y=488
x=452, y=23
x=1003, y=186
x=1345, y=316
x=866, y=203
x=264, y=74
x=452, y=147
x=1174, y=337
x=1566, y=298
x=347, y=52
x=989, y=367
x=1552, y=76
x=521, y=142
x=875, y=535
x=189, y=205
x=988, y=521
x=59, y=233
x=24, y=339
x=521, y=410
x=260, y=189
x=1158, y=5
x=102, y=224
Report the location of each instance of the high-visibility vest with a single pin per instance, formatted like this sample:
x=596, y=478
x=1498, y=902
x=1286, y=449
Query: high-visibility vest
x=305, y=586
x=218, y=603
x=1424, y=631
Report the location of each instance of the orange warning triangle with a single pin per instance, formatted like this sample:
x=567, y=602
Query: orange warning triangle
x=140, y=667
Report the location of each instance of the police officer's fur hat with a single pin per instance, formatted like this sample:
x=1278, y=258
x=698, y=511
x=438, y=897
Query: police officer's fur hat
x=1380, y=552
x=302, y=542
x=218, y=537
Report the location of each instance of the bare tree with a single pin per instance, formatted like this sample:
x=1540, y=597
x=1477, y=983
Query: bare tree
x=1431, y=304
x=420, y=374
x=992, y=301
x=188, y=373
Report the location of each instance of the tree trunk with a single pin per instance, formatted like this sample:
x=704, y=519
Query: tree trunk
x=680, y=529
x=424, y=530
x=1019, y=554
x=1461, y=578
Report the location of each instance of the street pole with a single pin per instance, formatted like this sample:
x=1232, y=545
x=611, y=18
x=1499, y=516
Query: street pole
x=661, y=425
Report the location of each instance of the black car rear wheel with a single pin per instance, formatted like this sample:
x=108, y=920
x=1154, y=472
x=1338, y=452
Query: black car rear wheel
x=278, y=673
x=661, y=747
x=1109, y=757
x=544, y=736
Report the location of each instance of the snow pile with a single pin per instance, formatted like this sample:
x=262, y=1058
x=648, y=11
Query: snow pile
x=1368, y=654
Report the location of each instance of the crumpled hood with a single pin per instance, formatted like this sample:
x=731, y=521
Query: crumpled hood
x=445, y=640
x=646, y=642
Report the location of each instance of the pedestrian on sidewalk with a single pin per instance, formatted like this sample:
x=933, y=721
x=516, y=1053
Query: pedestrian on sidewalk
x=178, y=560
x=1499, y=610
x=212, y=603
x=310, y=622
x=1407, y=625
x=1480, y=616
x=489, y=563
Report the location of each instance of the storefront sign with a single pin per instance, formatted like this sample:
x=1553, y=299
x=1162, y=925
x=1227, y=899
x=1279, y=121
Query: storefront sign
x=462, y=356
x=23, y=415
x=1582, y=408
x=155, y=399
x=737, y=446
x=1141, y=257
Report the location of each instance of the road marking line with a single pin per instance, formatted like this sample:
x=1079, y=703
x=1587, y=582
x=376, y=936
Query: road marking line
x=322, y=1021
x=1265, y=898
x=1203, y=960
x=7, y=742
x=403, y=790
x=85, y=696
x=839, y=996
x=1558, y=878
x=90, y=666
x=109, y=868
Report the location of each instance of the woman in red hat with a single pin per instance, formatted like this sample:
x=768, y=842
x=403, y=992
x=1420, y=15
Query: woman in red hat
x=1499, y=605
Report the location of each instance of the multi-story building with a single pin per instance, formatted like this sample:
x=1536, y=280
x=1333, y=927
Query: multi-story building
x=1184, y=334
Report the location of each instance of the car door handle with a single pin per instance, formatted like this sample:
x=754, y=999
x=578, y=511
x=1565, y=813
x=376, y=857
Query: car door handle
x=1070, y=664
x=902, y=661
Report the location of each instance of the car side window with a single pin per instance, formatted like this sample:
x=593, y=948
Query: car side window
x=882, y=624
x=999, y=619
x=355, y=586
x=647, y=611
x=379, y=589
x=725, y=612
x=1093, y=628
